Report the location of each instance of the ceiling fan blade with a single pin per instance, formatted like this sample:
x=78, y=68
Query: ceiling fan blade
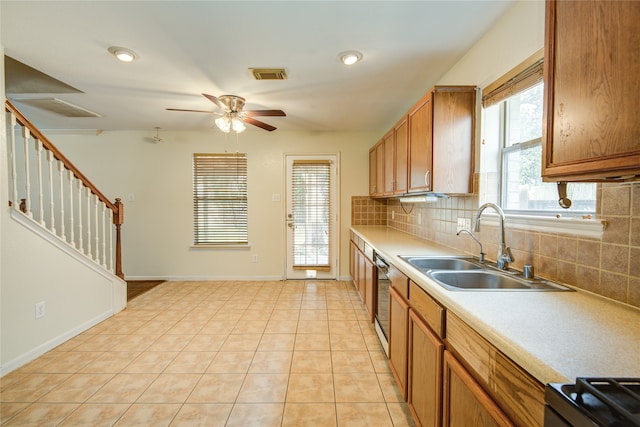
x=256, y=113
x=214, y=100
x=259, y=124
x=192, y=111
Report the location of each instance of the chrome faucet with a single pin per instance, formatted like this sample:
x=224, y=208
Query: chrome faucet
x=482, y=254
x=504, y=253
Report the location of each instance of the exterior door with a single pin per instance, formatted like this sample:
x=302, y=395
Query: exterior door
x=311, y=216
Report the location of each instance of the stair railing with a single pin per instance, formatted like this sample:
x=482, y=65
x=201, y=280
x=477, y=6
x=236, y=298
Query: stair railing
x=64, y=201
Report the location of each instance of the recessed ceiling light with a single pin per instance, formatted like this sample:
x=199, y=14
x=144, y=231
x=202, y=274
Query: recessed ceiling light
x=350, y=57
x=122, y=53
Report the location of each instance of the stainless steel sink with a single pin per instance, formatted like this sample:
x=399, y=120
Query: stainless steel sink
x=488, y=280
x=442, y=263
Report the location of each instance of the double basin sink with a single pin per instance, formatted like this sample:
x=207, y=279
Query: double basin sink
x=466, y=273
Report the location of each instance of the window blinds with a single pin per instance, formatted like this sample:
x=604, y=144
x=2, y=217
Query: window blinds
x=220, y=199
x=312, y=213
x=516, y=81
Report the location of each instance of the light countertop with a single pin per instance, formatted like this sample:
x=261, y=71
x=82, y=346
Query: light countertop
x=555, y=336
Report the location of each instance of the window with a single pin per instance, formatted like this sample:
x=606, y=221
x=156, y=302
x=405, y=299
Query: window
x=220, y=199
x=512, y=119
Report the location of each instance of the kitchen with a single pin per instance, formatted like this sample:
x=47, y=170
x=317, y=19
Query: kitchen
x=437, y=222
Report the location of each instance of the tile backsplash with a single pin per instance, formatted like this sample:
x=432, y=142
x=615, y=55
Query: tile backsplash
x=608, y=266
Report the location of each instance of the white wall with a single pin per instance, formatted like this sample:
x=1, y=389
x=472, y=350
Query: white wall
x=157, y=233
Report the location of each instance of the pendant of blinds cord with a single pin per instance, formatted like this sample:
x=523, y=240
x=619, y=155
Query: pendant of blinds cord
x=563, y=200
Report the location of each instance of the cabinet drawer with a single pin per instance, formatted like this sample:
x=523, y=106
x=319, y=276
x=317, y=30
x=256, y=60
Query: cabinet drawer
x=519, y=394
x=427, y=308
x=399, y=282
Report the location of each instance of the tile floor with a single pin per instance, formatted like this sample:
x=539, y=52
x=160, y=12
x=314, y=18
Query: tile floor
x=292, y=353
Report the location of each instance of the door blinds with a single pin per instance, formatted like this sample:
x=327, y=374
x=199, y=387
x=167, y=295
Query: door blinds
x=312, y=211
x=220, y=199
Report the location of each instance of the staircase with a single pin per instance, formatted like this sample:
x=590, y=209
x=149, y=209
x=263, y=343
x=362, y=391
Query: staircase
x=61, y=257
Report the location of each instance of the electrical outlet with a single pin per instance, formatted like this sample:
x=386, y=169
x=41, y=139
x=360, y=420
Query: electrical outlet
x=393, y=214
x=419, y=219
x=40, y=310
x=461, y=224
x=254, y=258
x=467, y=223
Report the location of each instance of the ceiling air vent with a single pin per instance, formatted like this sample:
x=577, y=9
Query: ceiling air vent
x=268, y=73
x=57, y=106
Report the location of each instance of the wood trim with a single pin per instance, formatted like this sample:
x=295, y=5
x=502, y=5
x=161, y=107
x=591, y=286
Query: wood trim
x=428, y=308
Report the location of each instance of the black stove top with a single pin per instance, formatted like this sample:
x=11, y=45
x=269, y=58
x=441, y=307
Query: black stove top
x=600, y=402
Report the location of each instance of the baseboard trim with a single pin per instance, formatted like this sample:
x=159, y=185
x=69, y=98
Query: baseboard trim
x=207, y=278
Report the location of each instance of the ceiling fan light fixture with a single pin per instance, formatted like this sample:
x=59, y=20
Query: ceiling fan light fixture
x=350, y=57
x=123, y=54
x=223, y=123
x=237, y=125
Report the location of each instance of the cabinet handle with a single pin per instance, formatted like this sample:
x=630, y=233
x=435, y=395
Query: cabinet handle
x=427, y=179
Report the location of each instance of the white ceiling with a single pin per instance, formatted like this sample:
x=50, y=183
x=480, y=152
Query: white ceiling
x=186, y=48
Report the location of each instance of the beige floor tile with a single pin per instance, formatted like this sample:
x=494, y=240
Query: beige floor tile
x=151, y=362
x=347, y=342
x=285, y=314
x=263, y=388
x=357, y=387
x=69, y=362
x=306, y=314
x=309, y=415
x=241, y=342
x=194, y=362
x=100, y=343
x=206, y=343
x=110, y=362
x=312, y=362
x=363, y=415
x=400, y=415
x=250, y=327
x=316, y=304
x=277, y=342
x=380, y=361
x=271, y=362
x=278, y=326
x=341, y=314
x=32, y=386
x=202, y=415
x=310, y=388
x=170, y=388
x=134, y=342
x=156, y=327
x=256, y=312
x=256, y=415
x=351, y=361
x=143, y=414
x=344, y=327
x=170, y=342
x=217, y=388
x=123, y=388
x=95, y=414
x=9, y=409
x=389, y=388
x=218, y=327
x=77, y=388
x=313, y=327
x=43, y=414
x=312, y=342
x=231, y=362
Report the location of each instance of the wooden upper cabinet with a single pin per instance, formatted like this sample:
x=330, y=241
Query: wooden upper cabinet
x=372, y=171
x=420, y=138
x=379, y=172
x=388, y=163
x=401, y=146
x=592, y=82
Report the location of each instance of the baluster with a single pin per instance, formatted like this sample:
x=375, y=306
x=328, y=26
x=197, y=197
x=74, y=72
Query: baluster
x=26, y=134
x=80, y=231
x=14, y=171
x=72, y=237
x=41, y=195
x=104, y=236
x=62, y=230
x=111, y=243
x=97, y=258
x=51, y=203
x=89, y=252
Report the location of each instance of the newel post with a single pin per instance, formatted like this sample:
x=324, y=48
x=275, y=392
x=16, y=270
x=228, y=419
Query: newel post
x=118, y=219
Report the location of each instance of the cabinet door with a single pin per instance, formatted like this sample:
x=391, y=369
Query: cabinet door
x=425, y=373
x=401, y=138
x=388, y=163
x=398, y=334
x=454, y=112
x=362, y=274
x=380, y=168
x=372, y=172
x=465, y=403
x=420, y=139
x=353, y=262
x=592, y=81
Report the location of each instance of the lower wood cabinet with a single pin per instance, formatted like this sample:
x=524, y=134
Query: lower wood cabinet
x=398, y=335
x=363, y=272
x=465, y=403
x=425, y=373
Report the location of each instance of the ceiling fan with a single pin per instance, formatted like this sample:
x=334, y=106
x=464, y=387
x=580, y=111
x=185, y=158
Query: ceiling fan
x=233, y=115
